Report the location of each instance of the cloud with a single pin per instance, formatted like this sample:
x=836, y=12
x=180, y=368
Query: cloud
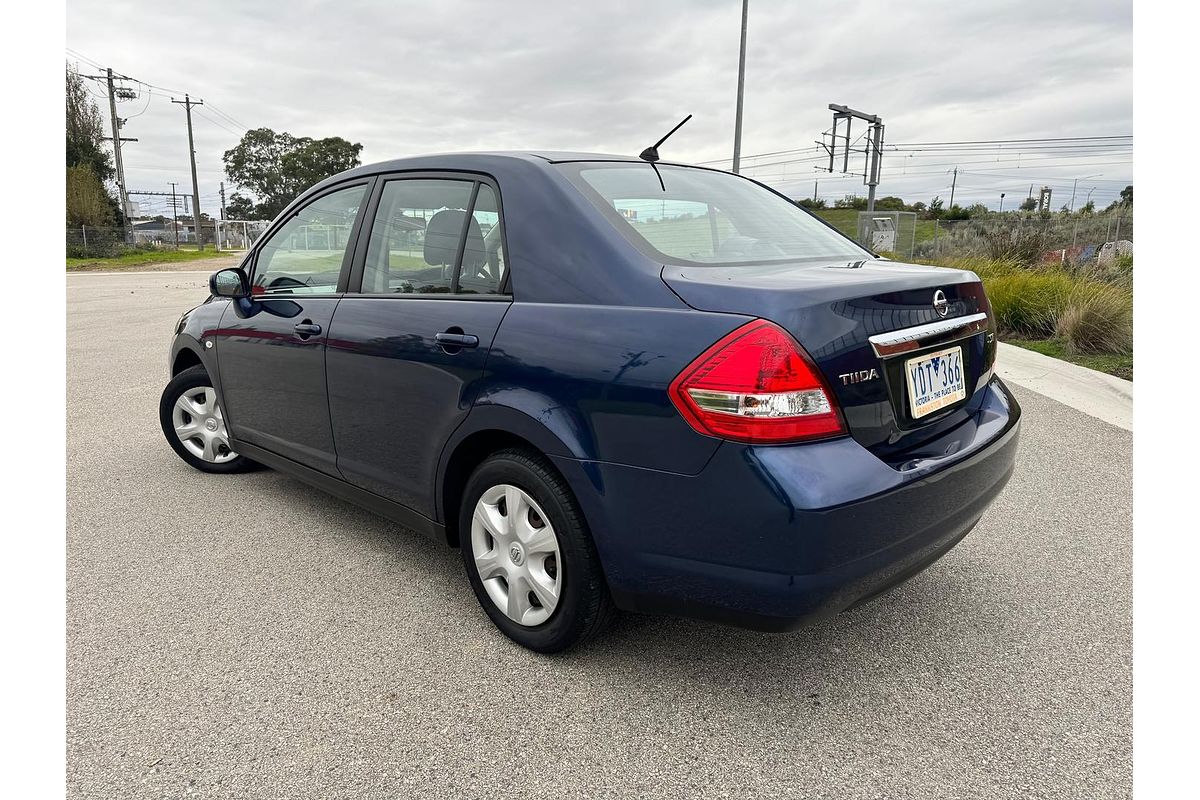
x=406, y=78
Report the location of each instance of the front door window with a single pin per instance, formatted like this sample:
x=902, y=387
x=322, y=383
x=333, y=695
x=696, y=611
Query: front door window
x=305, y=255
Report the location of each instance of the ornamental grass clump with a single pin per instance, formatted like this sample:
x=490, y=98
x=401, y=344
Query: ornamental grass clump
x=1097, y=319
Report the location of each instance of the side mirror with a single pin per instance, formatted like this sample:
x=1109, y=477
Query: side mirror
x=230, y=282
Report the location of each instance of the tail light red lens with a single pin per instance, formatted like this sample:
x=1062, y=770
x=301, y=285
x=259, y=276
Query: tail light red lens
x=757, y=385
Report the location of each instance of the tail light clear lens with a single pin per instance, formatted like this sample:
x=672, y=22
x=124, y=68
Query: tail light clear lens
x=757, y=385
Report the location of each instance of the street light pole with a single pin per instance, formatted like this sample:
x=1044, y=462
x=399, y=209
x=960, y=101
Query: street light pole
x=737, y=123
x=1076, y=183
x=1001, y=202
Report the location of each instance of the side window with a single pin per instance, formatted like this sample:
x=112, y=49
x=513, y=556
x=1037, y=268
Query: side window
x=305, y=255
x=483, y=256
x=416, y=236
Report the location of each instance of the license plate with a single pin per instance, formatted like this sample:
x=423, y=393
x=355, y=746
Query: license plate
x=935, y=380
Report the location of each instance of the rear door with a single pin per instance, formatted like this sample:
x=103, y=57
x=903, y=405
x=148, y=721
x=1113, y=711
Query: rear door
x=271, y=348
x=410, y=339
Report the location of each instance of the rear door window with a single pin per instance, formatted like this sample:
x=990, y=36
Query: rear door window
x=435, y=236
x=483, y=264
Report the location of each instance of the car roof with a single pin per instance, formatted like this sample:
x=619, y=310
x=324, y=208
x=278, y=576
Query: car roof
x=434, y=160
x=472, y=161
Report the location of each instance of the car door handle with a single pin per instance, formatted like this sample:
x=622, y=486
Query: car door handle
x=456, y=340
x=306, y=329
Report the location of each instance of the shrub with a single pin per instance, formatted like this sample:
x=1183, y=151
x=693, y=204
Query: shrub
x=1028, y=303
x=1089, y=310
x=1097, y=318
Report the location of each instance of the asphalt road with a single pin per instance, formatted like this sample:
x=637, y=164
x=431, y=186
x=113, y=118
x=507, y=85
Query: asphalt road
x=246, y=636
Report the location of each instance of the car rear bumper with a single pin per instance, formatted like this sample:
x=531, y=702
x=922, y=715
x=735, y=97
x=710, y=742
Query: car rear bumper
x=774, y=538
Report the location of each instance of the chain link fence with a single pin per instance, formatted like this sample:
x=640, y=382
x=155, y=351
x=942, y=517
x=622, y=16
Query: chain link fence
x=1074, y=239
x=90, y=241
x=239, y=234
x=888, y=232
x=93, y=242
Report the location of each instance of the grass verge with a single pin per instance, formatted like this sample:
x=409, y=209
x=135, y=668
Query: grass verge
x=1081, y=316
x=1119, y=365
x=141, y=258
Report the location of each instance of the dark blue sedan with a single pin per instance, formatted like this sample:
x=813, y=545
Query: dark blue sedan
x=610, y=384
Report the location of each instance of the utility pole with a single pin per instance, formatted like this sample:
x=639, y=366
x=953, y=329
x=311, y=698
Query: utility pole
x=873, y=150
x=815, y=191
x=174, y=215
x=953, y=185
x=737, y=123
x=218, y=226
x=118, y=161
x=1002, y=202
x=174, y=204
x=120, y=164
x=187, y=102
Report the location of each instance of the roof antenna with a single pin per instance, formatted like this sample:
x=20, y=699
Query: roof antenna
x=650, y=154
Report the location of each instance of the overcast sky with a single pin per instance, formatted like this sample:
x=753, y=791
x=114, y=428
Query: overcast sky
x=406, y=78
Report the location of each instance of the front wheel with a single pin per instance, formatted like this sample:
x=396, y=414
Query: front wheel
x=194, y=424
x=528, y=555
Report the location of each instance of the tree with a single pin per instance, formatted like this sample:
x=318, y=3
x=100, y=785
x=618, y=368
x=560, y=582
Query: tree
x=1029, y=204
x=85, y=129
x=956, y=212
x=1088, y=208
x=87, y=202
x=808, y=202
x=935, y=207
x=1127, y=195
x=918, y=207
x=851, y=201
x=977, y=210
x=276, y=167
x=240, y=207
x=889, y=203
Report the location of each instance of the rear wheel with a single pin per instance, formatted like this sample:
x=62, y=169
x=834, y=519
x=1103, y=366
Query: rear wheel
x=194, y=424
x=529, y=556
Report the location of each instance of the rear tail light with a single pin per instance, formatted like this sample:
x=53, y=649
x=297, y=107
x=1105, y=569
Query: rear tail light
x=974, y=292
x=757, y=385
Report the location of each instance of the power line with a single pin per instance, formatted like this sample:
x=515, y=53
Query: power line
x=1007, y=141
x=908, y=145
x=229, y=117
x=220, y=125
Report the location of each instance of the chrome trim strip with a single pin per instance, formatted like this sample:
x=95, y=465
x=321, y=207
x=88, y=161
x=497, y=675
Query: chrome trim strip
x=949, y=330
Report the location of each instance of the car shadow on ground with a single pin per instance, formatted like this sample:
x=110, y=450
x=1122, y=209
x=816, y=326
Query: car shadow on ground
x=927, y=617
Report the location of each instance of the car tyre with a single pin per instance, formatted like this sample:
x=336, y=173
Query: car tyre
x=194, y=425
x=529, y=531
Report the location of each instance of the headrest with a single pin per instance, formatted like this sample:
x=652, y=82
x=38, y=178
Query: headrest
x=441, y=240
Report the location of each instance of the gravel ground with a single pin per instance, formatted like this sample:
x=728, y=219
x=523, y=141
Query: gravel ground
x=210, y=264
x=246, y=636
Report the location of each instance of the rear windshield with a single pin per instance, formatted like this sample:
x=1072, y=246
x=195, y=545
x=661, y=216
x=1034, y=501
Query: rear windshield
x=706, y=217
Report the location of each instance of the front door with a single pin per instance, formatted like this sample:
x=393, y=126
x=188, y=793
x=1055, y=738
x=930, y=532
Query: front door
x=271, y=349
x=409, y=341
